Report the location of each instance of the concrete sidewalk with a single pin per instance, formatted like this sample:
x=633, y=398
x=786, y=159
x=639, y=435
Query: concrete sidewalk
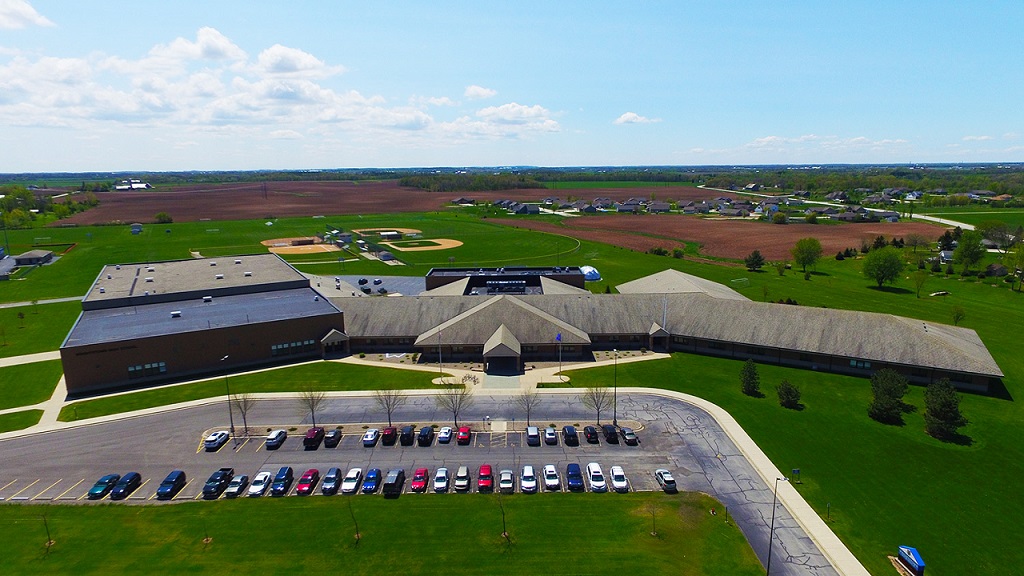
x=29, y=358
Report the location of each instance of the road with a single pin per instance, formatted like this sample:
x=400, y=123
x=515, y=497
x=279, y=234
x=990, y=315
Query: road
x=674, y=434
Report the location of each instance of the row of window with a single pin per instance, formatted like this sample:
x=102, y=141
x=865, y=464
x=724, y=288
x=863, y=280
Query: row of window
x=145, y=370
x=293, y=348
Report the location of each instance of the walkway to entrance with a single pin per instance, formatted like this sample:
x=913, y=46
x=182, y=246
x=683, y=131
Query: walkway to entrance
x=495, y=382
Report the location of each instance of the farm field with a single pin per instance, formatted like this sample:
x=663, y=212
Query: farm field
x=607, y=533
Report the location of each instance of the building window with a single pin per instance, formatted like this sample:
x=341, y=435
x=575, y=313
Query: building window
x=681, y=340
x=289, y=348
x=147, y=370
x=862, y=364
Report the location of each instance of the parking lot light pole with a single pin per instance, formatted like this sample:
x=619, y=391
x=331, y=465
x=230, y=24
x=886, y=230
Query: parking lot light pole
x=771, y=531
x=231, y=417
x=615, y=388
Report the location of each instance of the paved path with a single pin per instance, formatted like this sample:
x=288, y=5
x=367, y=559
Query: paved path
x=49, y=301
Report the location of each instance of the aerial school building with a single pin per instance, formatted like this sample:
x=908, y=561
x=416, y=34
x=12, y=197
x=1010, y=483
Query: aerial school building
x=145, y=323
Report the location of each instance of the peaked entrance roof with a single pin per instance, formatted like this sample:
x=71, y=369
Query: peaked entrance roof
x=501, y=344
x=528, y=323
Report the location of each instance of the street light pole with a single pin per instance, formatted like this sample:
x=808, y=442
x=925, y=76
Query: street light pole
x=771, y=531
x=615, y=388
x=231, y=417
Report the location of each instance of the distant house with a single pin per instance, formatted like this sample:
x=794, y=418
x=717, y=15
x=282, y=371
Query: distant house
x=623, y=207
x=603, y=202
x=752, y=187
x=131, y=185
x=589, y=209
x=463, y=200
x=701, y=207
x=887, y=215
x=390, y=235
x=946, y=256
x=527, y=209
x=1002, y=198
x=551, y=200
x=821, y=210
x=839, y=196
x=33, y=258
x=659, y=207
x=734, y=213
x=847, y=217
x=385, y=256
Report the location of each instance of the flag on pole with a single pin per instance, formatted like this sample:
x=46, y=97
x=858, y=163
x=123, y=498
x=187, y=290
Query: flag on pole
x=558, y=338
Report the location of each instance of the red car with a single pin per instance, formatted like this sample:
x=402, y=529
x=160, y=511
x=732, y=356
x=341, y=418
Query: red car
x=308, y=482
x=389, y=435
x=419, y=480
x=464, y=435
x=485, y=482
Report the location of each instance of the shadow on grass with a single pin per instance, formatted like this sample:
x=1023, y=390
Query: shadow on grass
x=958, y=439
x=890, y=290
x=798, y=407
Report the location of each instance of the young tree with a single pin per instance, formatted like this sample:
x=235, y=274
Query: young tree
x=958, y=315
x=806, y=252
x=1015, y=262
x=455, y=399
x=880, y=242
x=997, y=232
x=389, y=401
x=969, y=250
x=754, y=261
x=528, y=401
x=789, y=395
x=946, y=241
x=597, y=398
x=916, y=240
x=244, y=403
x=750, y=381
x=312, y=400
x=780, y=267
x=887, y=390
x=920, y=277
x=942, y=417
x=884, y=265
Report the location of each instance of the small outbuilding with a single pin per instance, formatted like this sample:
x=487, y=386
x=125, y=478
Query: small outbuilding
x=33, y=258
x=136, y=228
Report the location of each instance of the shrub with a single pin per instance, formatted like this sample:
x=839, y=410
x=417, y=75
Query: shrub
x=678, y=253
x=163, y=218
x=949, y=269
x=750, y=381
x=840, y=256
x=936, y=267
x=789, y=395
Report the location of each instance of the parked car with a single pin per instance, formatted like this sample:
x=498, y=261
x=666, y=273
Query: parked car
x=596, y=478
x=237, y=486
x=485, y=479
x=171, y=485
x=260, y=483
x=574, y=477
x=419, y=480
x=550, y=436
x=407, y=436
x=426, y=436
x=465, y=435
x=377, y=281
x=618, y=476
x=665, y=480
x=590, y=433
x=551, y=480
x=363, y=281
x=214, y=441
x=372, y=481
x=629, y=437
x=103, y=486
x=569, y=436
x=314, y=436
x=532, y=436
x=275, y=439
x=462, y=479
x=307, y=482
x=506, y=482
x=444, y=435
x=350, y=485
x=332, y=482
x=528, y=480
x=217, y=483
x=125, y=486
x=332, y=438
x=611, y=435
x=370, y=437
x=441, y=480
x=282, y=481
x=389, y=435
x=394, y=482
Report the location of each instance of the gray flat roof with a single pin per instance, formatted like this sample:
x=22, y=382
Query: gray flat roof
x=132, y=322
x=117, y=281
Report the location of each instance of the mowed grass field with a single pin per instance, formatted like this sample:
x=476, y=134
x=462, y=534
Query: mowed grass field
x=415, y=534
x=976, y=214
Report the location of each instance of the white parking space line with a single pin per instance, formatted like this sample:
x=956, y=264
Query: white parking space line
x=62, y=494
x=46, y=490
x=16, y=496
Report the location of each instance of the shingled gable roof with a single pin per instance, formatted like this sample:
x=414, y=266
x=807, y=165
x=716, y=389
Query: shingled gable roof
x=501, y=344
x=674, y=282
x=528, y=323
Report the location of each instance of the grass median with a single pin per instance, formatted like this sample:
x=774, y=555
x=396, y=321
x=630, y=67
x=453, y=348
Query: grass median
x=27, y=384
x=458, y=534
x=325, y=375
x=19, y=420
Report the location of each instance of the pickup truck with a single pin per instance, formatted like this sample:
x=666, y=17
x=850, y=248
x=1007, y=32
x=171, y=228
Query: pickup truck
x=218, y=481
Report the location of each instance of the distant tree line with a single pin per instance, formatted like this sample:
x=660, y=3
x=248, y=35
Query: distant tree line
x=20, y=206
x=470, y=182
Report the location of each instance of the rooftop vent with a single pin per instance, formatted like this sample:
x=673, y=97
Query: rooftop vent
x=146, y=293
x=109, y=276
x=175, y=313
x=150, y=268
x=103, y=290
x=248, y=274
x=118, y=267
x=238, y=261
x=149, y=278
x=316, y=298
x=207, y=298
x=218, y=276
x=213, y=263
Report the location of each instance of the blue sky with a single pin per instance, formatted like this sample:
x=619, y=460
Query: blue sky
x=222, y=85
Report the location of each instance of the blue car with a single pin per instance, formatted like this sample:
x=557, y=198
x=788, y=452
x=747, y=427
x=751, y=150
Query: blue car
x=574, y=477
x=371, y=481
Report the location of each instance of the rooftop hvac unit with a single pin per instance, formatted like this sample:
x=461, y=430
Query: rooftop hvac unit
x=149, y=278
x=150, y=269
x=207, y=298
x=117, y=267
x=175, y=313
x=238, y=261
x=218, y=276
x=213, y=263
x=146, y=293
x=248, y=273
x=109, y=277
x=316, y=298
x=103, y=290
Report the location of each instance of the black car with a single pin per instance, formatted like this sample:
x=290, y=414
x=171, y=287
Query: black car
x=283, y=481
x=332, y=438
x=408, y=435
x=363, y=281
x=426, y=436
x=611, y=435
x=569, y=436
x=590, y=433
x=171, y=485
x=217, y=483
x=126, y=485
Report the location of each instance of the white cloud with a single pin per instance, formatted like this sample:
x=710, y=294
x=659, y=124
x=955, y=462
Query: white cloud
x=634, y=118
x=210, y=44
x=285, y=135
x=17, y=14
x=475, y=92
x=976, y=138
x=285, y=61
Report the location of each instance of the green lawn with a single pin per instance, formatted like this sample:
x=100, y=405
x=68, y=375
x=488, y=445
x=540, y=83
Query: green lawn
x=27, y=384
x=42, y=328
x=587, y=184
x=19, y=420
x=975, y=214
x=415, y=534
x=319, y=375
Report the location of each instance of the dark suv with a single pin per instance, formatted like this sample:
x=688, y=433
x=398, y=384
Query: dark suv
x=171, y=485
x=314, y=436
x=426, y=436
x=569, y=436
x=611, y=435
x=590, y=433
x=283, y=481
x=408, y=435
x=332, y=438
